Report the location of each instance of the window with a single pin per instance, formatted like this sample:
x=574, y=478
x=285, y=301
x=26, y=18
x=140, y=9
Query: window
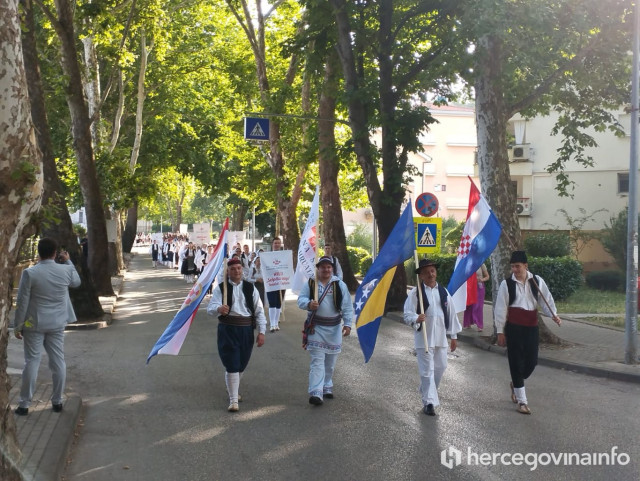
x=623, y=183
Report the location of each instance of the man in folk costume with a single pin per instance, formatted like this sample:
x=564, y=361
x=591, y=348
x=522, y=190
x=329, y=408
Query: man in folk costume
x=154, y=253
x=437, y=315
x=238, y=316
x=516, y=318
x=324, y=329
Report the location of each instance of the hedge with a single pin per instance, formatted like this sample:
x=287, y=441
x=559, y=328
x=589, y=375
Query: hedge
x=563, y=275
x=607, y=280
x=356, y=257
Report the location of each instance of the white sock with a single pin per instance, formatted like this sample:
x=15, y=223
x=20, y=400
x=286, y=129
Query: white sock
x=521, y=396
x=277, y=316
x=273, y=312
x=232, y=379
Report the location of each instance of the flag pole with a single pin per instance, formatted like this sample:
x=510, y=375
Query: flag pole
x=224, y=282
x=421, y=304
x=315, y=269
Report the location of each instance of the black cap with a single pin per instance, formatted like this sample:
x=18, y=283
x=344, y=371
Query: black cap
x=324, y=259
x=518, y=257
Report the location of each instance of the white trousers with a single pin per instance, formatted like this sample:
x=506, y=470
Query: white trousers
x=321, y=372
x=53, y=343
x=431, y=366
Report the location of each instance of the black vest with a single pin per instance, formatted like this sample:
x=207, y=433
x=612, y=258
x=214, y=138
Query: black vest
x=247, y=290
x=443, y=302
x=337, y=293
x=511, y=287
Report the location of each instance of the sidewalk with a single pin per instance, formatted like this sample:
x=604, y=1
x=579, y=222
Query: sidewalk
x=44, y=437
x=593, y=349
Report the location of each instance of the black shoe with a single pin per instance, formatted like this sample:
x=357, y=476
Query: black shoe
x=22, y=411
x=315, y=400
x=328, y=395
x=57, y=408
x=429, y=410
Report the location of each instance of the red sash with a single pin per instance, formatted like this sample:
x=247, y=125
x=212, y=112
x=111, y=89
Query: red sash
x=522, y=317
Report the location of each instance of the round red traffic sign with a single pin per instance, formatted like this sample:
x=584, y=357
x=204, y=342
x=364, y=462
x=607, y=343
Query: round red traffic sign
x=427, y=204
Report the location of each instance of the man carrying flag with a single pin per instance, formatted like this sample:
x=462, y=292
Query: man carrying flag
x=174, y=335
x=479, y=238
x=238, y=316
x=437, y=315
x=371, y=296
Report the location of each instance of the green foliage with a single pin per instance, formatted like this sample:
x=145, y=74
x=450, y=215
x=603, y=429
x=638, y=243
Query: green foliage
x=79, y=230
x=563, y=275
x=606, y=280
x=356, y=257
x=548, y=244
x=365, y=264
x=445, y=270
x=453, y=235
x=614, y=238
x=360, y=237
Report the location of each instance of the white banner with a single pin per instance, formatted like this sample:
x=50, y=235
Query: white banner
x=277, y=270
x=201, y=233
x=306, y=267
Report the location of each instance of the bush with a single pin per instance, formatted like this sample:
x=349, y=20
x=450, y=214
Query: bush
x=552, y=244
x=360, y=237
x=365, y=264
x=614, y=238
x=606, y=280
x=563, y=275
x=356, y=256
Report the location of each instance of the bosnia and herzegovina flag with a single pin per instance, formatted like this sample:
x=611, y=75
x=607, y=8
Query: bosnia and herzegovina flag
x=479, y=238
x=174, y=335
x=371, y=296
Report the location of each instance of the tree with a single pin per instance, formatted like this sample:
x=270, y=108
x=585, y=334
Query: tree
x=57, y=223
x=22, y=179
x=391, y=53
x=614, y=238
x=82, y=142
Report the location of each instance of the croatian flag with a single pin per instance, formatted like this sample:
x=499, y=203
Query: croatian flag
x=174, y=335
x=308, y=248
x=371, y=296
x=480, y=236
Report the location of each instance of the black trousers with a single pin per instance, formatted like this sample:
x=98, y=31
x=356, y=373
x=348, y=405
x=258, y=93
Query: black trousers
x=522, y=351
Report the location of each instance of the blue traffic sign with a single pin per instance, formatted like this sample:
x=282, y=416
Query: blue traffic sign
x=427, y=204
x=256, y=128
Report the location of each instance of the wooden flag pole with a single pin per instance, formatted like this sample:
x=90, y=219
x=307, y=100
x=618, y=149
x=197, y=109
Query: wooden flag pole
x=224, y=282
x=421, y=304
x=315, y=269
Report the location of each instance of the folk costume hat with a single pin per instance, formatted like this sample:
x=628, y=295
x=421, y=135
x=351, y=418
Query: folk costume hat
x=518, y=257
x=324, y=259
x=427, y=263
x=233, y=262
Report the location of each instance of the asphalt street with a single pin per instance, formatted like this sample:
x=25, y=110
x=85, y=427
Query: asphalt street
x=168, y=421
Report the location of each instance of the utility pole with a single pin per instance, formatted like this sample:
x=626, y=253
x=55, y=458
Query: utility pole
x=631, y=318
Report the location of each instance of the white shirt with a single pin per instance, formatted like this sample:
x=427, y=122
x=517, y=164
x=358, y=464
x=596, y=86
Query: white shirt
x=239, y=308
x=436, y=331
x=524, y=300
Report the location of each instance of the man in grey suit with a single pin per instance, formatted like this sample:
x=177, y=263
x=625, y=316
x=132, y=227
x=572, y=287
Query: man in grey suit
x=43, y=310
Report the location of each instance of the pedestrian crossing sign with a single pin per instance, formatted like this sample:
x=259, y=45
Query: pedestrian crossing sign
x=256, y=129
x=428, y=231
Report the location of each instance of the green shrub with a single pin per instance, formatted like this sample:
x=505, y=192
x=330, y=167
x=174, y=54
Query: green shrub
x=365, y=264
x=563, y=275
x=607, y=280
x=550, y=244
x=356, y=256
x=360, y=237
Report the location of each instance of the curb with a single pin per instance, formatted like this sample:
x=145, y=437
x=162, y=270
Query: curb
x=588, y=368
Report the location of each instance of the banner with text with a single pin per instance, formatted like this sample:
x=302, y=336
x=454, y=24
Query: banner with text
x=277, y=270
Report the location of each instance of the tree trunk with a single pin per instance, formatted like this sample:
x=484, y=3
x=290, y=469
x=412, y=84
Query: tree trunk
x=98, y=257
x=131, y=228
x=84, y=299
x=329, y=167
x=238, y=215
x=493, y=163
x=21, y=178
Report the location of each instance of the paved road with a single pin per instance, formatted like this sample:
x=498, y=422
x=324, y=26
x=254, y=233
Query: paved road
x=168, y=420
